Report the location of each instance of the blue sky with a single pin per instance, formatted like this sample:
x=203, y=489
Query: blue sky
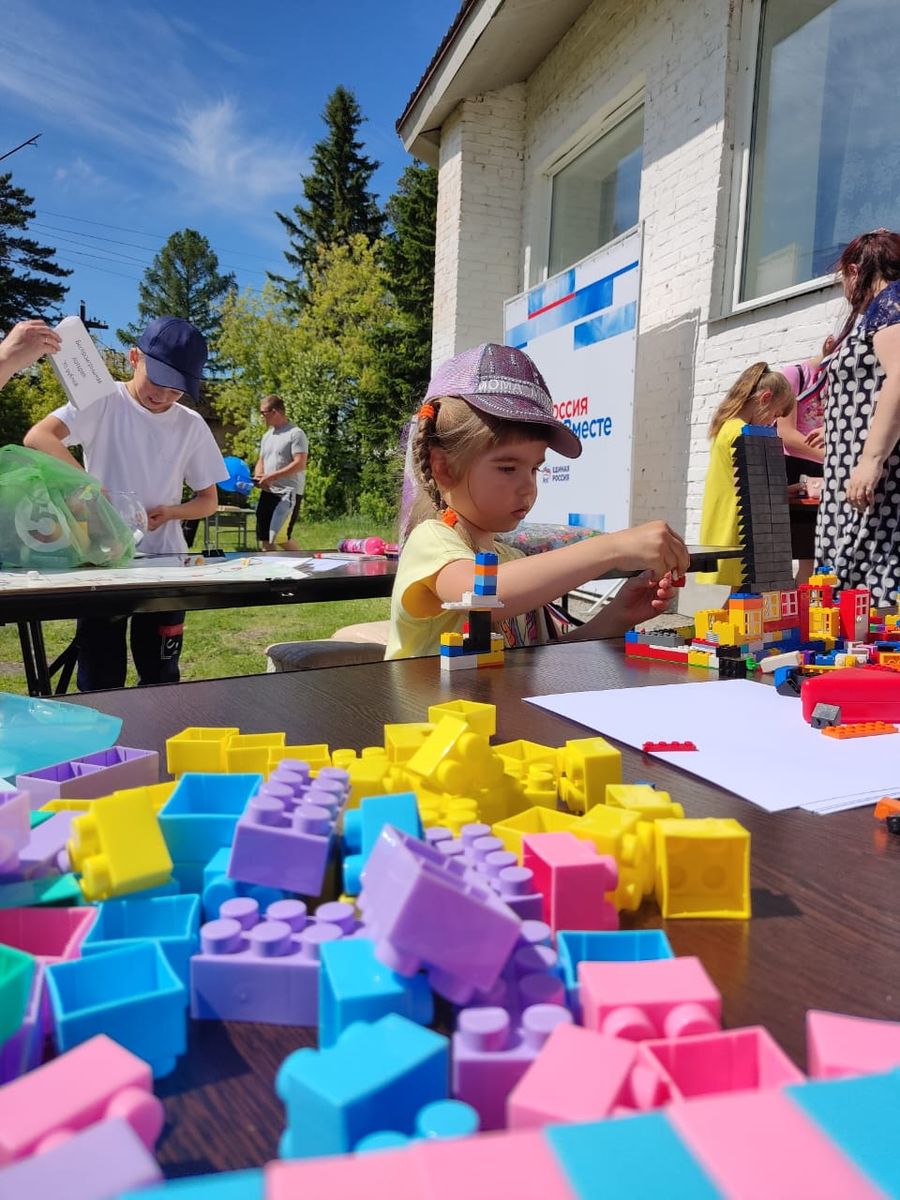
x=165, y=115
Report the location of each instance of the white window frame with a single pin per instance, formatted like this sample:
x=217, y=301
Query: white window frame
x=749, y=26
x=591, y=131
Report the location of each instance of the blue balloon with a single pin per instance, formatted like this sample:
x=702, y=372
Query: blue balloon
x=239, y=478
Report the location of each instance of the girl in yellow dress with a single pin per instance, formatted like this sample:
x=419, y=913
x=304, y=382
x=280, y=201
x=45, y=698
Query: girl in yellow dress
x=759, y=396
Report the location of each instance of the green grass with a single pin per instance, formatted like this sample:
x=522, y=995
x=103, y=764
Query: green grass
x=230, y=641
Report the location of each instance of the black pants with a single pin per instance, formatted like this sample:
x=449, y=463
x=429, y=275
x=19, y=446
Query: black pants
x=156, y=641
x=265, y=508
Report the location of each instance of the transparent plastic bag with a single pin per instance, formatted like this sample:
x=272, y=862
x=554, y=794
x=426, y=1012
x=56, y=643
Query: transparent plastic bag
x=53, y=516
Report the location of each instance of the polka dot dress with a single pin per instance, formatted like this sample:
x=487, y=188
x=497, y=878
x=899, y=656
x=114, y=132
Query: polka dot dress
x=863, y=548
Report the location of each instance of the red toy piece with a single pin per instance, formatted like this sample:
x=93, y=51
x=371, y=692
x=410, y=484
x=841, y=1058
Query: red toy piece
x=860, y=693
x=652, y=747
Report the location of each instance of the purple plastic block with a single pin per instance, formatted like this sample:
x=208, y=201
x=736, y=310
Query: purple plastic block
x=91, y=776
x=24, y=1050
x=500, y=867
x=252, y=968
x=286, y=833
x=423, y=909
x=491, y=1053
x=15, y=826
x=39, y=856
x=99, y=1163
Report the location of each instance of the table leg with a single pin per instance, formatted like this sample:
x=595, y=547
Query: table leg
x=34, y=658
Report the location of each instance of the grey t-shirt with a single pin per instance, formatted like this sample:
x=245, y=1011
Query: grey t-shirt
x=277, y=449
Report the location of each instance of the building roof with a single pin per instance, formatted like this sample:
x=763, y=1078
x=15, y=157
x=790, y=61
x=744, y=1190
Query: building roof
x=489, y=45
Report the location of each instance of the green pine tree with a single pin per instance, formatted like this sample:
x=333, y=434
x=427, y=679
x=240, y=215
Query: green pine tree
x=339, y=204
x=29, y=275
x=183, y=281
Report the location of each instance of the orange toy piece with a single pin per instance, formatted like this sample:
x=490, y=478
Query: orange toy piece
x=887, y=806
x=860, y=729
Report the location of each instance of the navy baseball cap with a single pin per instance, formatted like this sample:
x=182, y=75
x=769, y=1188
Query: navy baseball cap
x=175, y=354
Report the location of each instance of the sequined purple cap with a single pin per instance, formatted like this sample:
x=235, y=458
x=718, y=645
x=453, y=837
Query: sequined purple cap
x=504, y=382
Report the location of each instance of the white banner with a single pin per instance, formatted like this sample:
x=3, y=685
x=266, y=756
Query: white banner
x=580, y=327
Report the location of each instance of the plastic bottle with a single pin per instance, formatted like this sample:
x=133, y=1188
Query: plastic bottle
x=369, y=545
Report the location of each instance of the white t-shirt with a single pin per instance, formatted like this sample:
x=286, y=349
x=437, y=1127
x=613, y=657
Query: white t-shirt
x=151, y=455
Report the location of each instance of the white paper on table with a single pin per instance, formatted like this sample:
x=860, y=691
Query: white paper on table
x=749, y=740
x=78, y=365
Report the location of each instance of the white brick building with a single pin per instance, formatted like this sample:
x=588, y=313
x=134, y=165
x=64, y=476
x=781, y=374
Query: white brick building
x=519, y=89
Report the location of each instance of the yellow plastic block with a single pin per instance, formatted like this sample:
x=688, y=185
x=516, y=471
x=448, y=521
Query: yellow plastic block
x=588, y=765
x=703, y=868
x=540, y=786
x=451, y=639
x=533, y=820
x=448, y=812
x=370, y=776
x=456, y=760
x=317, y=755
x=156, y=793
x=401, y=741
x=118, y=847
x=629, y=840
x=700, y=658
x=494, y=659
x=55, y=806
x=526, y=753
x=481, y=717
x=198, y=749
x=648, y=802
x=248, y=753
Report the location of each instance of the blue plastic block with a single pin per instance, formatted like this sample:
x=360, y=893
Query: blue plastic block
x=623, y=945
x=217, y=887
x=375, y=1077
x=486, y=558
x=629, y=1156
x=355, y=986
x=631, y=636
x=453, y=651
x=131, y=994
x=232, y=1185
x=759, y=431
x=172, y=922
x=201, y=814
x=363, y=825
x=856, y=1114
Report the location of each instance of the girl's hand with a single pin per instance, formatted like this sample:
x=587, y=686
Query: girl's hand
x=862, y=483
x=653, y=547
x=641, y=598
x=816, y=439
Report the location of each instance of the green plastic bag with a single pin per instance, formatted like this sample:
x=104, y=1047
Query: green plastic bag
x=53, y=516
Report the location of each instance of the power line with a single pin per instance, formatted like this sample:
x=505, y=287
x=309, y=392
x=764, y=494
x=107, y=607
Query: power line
x=32, y=141
x=111, y=256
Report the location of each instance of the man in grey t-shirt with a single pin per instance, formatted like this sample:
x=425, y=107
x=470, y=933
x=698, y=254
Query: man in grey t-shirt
x=280, y=472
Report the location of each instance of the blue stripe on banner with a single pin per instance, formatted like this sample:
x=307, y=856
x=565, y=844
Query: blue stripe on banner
x=553, y=289
x=587, y=300
x=609, y=325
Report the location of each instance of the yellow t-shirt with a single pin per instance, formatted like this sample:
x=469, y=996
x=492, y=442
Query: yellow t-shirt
x=417, y=619
x=719, y=522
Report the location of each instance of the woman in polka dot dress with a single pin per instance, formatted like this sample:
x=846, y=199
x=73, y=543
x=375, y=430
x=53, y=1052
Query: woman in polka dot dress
x=858, y=528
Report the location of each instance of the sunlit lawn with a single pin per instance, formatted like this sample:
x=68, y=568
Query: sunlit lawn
x=230, y=641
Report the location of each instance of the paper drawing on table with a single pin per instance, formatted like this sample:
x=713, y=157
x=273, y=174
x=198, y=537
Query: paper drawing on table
x=78, y=365
x=751, y=741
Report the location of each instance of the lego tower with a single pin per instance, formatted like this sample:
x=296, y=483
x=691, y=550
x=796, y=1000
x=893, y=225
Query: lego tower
x=763, y=513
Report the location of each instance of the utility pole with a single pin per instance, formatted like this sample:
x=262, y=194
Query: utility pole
x=32, y=141
x=89, y=322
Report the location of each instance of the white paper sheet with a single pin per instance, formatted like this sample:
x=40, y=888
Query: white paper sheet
x=749, y=740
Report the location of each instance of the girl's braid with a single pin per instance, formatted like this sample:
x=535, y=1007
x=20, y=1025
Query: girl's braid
x=425, y=436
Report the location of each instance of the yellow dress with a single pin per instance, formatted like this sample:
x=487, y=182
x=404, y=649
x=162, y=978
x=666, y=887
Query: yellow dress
x=719, y=522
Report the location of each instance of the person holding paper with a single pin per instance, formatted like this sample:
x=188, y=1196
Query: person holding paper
x=142, y=440
x=24, y=345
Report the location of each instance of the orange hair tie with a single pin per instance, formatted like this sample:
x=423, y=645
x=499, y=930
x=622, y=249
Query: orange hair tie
x=426, y=412
x=449, y=517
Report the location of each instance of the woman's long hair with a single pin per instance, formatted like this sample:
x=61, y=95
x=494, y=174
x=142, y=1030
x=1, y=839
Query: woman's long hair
x=876, y=256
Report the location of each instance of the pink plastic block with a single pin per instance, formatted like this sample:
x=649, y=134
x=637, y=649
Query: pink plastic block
x=380, y=1175
x=573, y=879
x=50, y=934
x=759, y=1145
x=492, y=1166
x=91, y=776
x=97, y=1164
x=425, y=910
x=491, y=1052
x=97, y=1079
x=580, y=1075
x=732, y=1060
x=666, y=997
x=254, y=968
x=839, y=1045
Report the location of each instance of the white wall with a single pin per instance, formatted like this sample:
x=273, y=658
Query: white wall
x=492, y=221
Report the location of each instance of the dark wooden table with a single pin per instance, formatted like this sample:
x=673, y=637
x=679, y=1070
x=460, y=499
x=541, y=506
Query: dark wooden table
x=824, y=932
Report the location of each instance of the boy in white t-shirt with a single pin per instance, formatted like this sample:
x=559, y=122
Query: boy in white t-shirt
x=141, y=440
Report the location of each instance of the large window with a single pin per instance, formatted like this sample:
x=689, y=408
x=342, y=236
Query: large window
x=825, y=151
x=596, y=196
